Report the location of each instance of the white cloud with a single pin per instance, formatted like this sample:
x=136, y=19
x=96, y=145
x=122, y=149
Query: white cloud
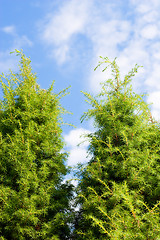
x=153, y=79
x=59, y=28
x=154, y=98
x=8, y=61
x=77, y=154
x=9, y=29
x=76, y=137
x=155, y=49
x=108, y=36
x=150, y=31
x=18, y=41
x=150, y=17
x=136, y=41
x=146, y=4
x=143, y=8
x=21, y=41
x=133, y=37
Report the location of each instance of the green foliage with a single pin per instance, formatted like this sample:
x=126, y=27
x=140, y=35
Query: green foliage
x=119, y=189
x=34, y=204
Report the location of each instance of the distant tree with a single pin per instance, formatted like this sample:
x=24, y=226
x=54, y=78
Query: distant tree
x=119, y=189
x=34, y=203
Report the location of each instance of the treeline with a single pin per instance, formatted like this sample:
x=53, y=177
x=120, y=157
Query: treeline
x=118, y=192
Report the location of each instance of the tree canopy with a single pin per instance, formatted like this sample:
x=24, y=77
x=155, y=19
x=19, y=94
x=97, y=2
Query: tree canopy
x=118, y=194
x=119, y=189
x=34, y=203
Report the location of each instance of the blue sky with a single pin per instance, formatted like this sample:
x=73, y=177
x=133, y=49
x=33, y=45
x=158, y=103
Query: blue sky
x=64, y=39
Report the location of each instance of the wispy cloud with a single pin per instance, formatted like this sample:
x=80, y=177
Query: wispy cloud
x=8, y=61
x=131, y=38
x=9, y=29
x=59, y=28
x=128, y=30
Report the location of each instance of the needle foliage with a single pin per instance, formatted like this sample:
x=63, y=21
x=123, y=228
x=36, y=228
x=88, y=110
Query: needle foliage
x=34, y=204
x=119, y=189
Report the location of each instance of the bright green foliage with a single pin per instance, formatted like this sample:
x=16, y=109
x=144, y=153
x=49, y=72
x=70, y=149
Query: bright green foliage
x=119, y=189
x=34, y=204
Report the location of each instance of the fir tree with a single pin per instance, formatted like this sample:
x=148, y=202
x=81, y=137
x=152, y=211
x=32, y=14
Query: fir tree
x=34, y=204
x=119, y=189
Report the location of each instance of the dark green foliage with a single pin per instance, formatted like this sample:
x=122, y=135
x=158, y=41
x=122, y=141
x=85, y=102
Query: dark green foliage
x=34, y=204
x=119, y=189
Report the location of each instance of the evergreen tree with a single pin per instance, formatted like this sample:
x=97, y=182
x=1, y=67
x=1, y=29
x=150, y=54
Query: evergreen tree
x=34, y=204
x=119, y=189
